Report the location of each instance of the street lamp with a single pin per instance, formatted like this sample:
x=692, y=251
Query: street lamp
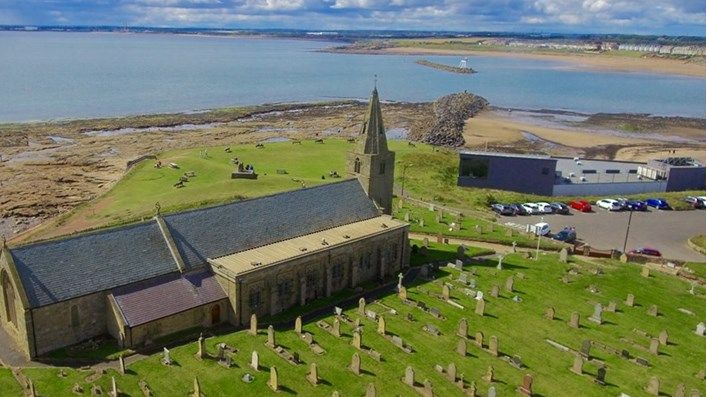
x=628, y=226
x=402, y=187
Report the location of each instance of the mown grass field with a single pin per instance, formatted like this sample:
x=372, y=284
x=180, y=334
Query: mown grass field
x=428, y=173
x=520, y=327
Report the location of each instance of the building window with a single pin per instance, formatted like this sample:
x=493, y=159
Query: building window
x=8, y=294
x=382, y=168
x=474, y=167
x=284, y=288
x=74, y=316
x=254, y=299
x=357, y=165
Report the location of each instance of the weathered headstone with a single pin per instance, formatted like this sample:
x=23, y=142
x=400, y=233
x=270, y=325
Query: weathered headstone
x=356, y=340
x=488, y=377
x=653, y=348
x=461, y=347
x=121, y=363
x=255, y=360
x=336, y=328
x=601, y=376
x=114, y=387
x=371, y=390
x=409, y=378
x=596, y=316
x=493, y=345
x=273, y=379
x=253, y=324
x=679, y=391
x=480, y=307
x=630, y=300
x=645, y=272
x=509, y=284
x=355, y=366
x=403, y=293
x=611, y=307
x=362, y=306
x=463, y=328
x=426, y=242
x=700, y=329
x=271, y=337
x=563, y=255
x=574, y=320
x=492, y=391
x=494, y=291
x=653, y=310
x=577, y=364
x=452, y=372
x=166, y=359
x=445, y=292
x=427, y=388
x=499, y=266
x=197, y=388
x=381, y=325
x=663, y=337
x=298, y=325
x=407, y=217
x=313, y=374
x=585, y=351
x=653, y=387
x=479, y=339
x=550, y=313
x=526, y=389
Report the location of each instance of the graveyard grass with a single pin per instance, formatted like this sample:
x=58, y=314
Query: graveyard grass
x=429, y=174
x=519, y=326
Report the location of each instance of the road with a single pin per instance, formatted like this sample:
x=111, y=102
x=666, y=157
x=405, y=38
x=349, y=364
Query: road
x=666, y=231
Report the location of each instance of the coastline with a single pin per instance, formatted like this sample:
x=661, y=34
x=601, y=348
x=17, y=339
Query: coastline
x=573, y=61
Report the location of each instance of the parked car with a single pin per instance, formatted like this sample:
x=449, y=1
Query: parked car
x=519, y=209
x=560, y=208
x=695, y=202
x=503, y=209
x=568, y=235
x=658, y=203
x=545, y=208
x=609, y=204
x=540, y=228
x=645, y=251
x=580, y=205
x=632, y=205
x=532, y=208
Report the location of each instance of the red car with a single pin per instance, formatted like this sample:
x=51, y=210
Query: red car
x=646, y=251
x=580, y=205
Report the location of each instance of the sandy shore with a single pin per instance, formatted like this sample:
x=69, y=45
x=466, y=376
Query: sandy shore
x=573, y=61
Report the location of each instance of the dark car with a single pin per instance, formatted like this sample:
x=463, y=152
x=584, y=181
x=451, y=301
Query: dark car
x=645, y=251
x=503, y=209
x=658, y=203
x=632, y=205
x=695, y=202
x=560, y=208
x=518, y=209
x=581, y=205
x=568, y=235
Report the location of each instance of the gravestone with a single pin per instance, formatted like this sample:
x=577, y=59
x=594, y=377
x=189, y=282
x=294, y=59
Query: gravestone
x=577, y=364
x=371, y=390
x=461, y=347
x=479, y=296
x=461, y=250
x=499, y=266
x=422, y=222
x=653, y=311
x=700, y=329
x=273, y=379
x=611, y=308
x=403, y=293
x=494, y=291
x=480, y=307
x=409, y=376
x=601, y=376
x=197, y=388
x=381, y=325
x=113, y=388
x=479, y=339
x=298, y=325
x=653, y=387
x=472, y=283
x=493, y=345
x=121, y=363
x=452, y=372
x=426, y=242
x=596, y=316
x=463, y=278
x=355, y=366
x=458, y=264
x=625, y=354
x=663, y=337
x=166, y=359
x=313, y=375
x=574, y=320
x=356, y=340
x=271, y=337
x=400, y=281
x=526, y=389
x=488, y=377
x=336, y=328
x=427, y=388
x=200, y=353
x=445, y=292
x=654, y=346
x=492, y=391
x=679, y=391
x=463, y=328
x=255, y=360
x=516, y=362
x=586, y=349
x=645, y=272
x=630, y=300
x=563, y=255
x=253, y=324
x=550, y=313
x=509, y=284
x=362, y=306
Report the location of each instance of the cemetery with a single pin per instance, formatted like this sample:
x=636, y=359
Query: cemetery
x=439, y=331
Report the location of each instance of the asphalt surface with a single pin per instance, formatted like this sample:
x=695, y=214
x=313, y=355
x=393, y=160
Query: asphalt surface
x=667, y=231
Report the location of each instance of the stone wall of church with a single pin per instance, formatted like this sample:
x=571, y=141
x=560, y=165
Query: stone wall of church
x=200, y=316
x=296, y=282
x=115, y=324
x=15, y=319
x=69, y=322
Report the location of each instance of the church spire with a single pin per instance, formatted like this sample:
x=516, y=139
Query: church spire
x=373, y=131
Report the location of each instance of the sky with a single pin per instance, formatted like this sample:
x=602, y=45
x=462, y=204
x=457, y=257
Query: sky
x=662, y=17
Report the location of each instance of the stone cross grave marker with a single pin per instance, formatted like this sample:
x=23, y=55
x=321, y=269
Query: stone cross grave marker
x=400, y=281
x=500, y=262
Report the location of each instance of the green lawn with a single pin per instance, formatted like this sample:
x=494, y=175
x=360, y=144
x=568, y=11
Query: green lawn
x=519, y=326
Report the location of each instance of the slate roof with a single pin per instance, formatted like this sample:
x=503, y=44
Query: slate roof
x=166, y=295
x=58, y=270
x=226, y=229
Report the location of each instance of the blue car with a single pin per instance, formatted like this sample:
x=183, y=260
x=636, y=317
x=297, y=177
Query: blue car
x=658, y=203
x=632, y=205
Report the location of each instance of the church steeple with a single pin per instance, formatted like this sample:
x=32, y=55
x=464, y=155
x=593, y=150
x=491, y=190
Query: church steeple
x=371, y=162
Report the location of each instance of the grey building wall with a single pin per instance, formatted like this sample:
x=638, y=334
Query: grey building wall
x=607, y=189
x=687, y=178
x=519, y=174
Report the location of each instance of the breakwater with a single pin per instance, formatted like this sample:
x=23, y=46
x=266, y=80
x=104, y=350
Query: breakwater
x=446, y=68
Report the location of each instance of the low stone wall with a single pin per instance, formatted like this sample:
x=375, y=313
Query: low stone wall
x=131, y=163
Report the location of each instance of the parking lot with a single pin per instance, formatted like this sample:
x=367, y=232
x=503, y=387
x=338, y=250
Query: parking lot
x=666, y=231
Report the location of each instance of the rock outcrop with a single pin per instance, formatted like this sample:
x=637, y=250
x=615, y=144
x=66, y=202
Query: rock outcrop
x=445, y=125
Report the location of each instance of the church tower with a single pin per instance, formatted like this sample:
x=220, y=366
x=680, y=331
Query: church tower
x=371, y=161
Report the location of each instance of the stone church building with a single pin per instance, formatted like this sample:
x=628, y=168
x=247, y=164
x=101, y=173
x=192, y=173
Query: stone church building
x=212, y=265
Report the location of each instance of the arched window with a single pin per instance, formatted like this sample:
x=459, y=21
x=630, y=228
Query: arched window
x=8, y=293
x=357, y=165
x=382, y=168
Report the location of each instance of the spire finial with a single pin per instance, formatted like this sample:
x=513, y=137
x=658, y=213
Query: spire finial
x=157, y=208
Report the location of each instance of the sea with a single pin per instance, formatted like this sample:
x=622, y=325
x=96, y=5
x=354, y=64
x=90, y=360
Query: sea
x=62, y=75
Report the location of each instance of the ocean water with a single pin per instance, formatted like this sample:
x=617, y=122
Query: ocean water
x=46, y=75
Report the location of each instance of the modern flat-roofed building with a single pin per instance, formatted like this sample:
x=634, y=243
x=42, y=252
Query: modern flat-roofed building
x=563, y=176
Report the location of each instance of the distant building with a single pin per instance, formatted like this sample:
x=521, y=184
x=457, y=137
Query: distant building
x=563, y=176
